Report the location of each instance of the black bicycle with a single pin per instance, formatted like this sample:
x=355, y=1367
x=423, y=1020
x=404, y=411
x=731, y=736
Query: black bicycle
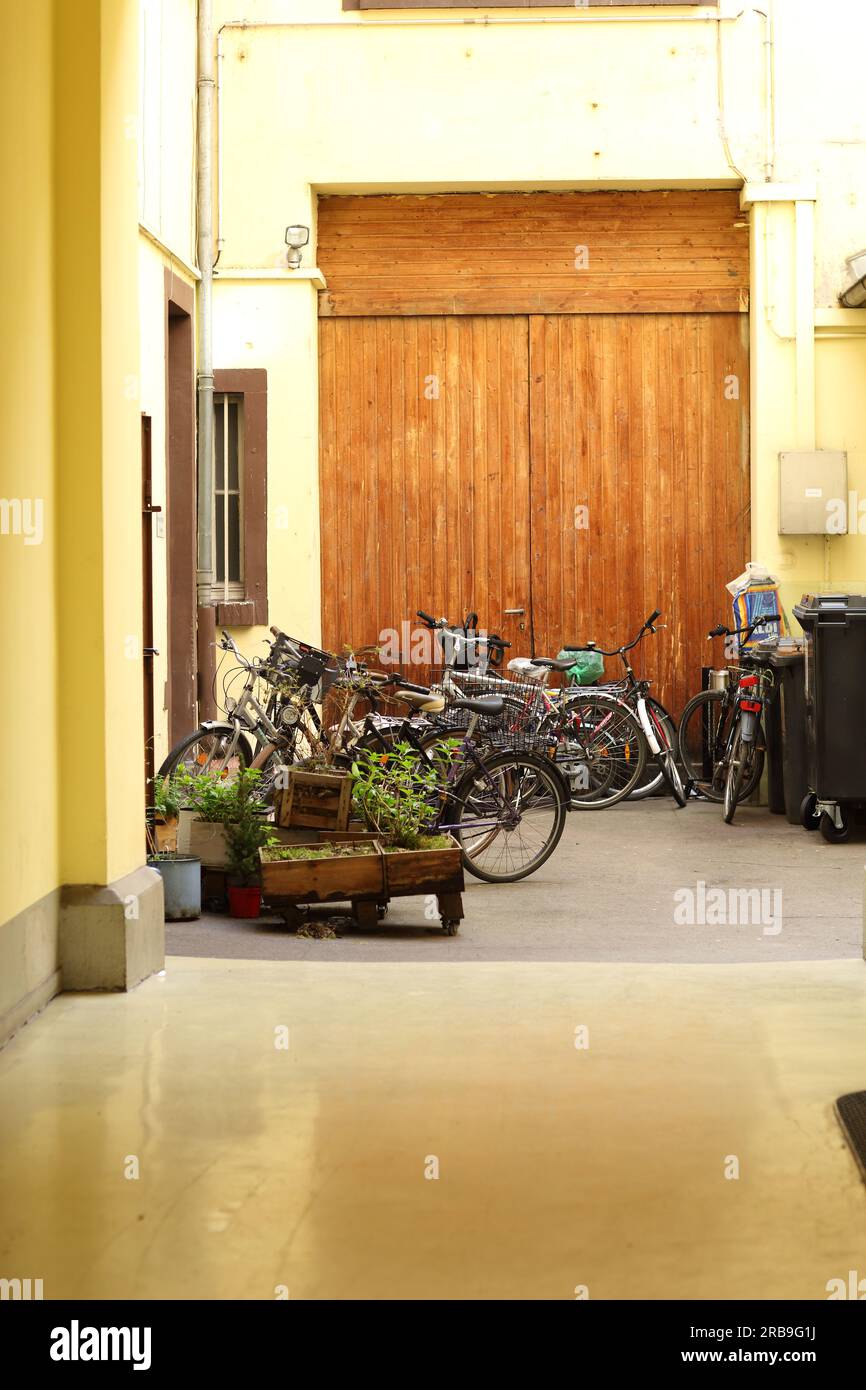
x=721, y=738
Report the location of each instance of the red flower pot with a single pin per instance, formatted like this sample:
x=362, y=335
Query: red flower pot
x=245, y=902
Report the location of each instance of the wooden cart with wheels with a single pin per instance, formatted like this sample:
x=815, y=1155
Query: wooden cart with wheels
x=369, y=879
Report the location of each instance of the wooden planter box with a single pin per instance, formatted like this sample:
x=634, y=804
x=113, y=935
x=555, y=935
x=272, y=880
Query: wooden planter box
x=367, y=881
x=418, y=871
x=316, y=801
x=206, y=840
x=165, y=834
x=323, y=880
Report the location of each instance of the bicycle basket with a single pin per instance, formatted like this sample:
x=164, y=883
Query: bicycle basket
x=518, y=724
x=294, y=664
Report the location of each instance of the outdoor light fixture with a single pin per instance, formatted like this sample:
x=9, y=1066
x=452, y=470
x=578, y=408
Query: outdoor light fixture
x=855, y=296
x=296, y=239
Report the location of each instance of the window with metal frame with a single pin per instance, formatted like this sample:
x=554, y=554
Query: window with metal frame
x=228, y=499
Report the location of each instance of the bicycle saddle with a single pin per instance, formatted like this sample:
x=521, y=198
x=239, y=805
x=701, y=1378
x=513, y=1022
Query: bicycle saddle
x=425, y=700
x=485, y=704
x=552, y=664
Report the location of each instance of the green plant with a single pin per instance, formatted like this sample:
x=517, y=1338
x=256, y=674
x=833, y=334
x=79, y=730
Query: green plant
x=395, y=792
x=167, y=796
x=245, y=829
x=212, y=795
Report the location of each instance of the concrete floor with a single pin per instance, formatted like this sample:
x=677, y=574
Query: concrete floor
x=607, y=894
x=558, y=1167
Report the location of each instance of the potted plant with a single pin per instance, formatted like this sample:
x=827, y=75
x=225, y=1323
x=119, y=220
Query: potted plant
x=396, y=793
x=164, y=813
x=207, y=801
x=246, y=833
x=181, y=878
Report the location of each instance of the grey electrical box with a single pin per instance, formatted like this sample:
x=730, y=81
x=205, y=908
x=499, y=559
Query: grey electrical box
x=813, y=489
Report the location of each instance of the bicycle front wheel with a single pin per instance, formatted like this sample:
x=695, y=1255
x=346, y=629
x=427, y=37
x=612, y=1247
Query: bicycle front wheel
x=666, y=756
x=653, y=779
x=206, y=751
x=600, y=748
x=706, y=729
x=739, y=774
x=507, y=813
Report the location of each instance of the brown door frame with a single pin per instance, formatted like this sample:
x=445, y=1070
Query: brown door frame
x=180, y=500
x=147, y=647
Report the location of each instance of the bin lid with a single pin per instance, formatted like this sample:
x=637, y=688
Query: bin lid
x=829, y=608
x=786, y=652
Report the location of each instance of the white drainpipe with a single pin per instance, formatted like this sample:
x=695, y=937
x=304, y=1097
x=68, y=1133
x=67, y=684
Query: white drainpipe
x=204, y=220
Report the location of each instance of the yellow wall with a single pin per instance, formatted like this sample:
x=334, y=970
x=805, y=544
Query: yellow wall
x=29, y=841
x=166, y=211
x=362, y=103
x=71, y=795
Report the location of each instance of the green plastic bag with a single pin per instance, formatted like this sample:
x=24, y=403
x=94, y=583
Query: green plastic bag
x=587, y=669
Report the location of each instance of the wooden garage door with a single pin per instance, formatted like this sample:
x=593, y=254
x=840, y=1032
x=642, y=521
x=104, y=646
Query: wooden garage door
x=501, y=430
x=424, y=471
x=639, y=482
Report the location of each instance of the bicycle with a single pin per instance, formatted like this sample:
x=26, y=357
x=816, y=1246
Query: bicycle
x=505, y=807
x=655, y=729
x=262, y=732
x=710, y=724
x=593, y=737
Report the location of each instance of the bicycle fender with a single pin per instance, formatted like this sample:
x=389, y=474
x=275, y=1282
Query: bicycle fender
x=747, y=726
x=216, y=726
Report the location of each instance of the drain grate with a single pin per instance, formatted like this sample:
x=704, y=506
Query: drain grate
x=851, y=1112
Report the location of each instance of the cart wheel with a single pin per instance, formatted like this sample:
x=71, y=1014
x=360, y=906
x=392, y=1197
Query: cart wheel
x=450, y=926
x=835, y=834
x=381, y=911
x=809, y=817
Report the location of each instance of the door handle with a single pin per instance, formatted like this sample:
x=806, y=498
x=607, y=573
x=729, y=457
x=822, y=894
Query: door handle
x=150, y=651
x=510, y=612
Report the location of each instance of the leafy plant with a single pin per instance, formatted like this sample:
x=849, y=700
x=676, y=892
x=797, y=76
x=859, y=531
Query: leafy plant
x=246, y=830
x=395, y=793
x=168, y=796
x=212, y=795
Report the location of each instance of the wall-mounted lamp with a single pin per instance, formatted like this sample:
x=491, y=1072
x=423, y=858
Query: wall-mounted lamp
x=296, y=239
x=855, y=295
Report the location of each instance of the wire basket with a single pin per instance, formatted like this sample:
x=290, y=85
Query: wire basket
x=519, y=723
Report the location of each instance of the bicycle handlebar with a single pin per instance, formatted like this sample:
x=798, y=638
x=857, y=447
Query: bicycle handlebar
x=765, y=620
x=648, y=626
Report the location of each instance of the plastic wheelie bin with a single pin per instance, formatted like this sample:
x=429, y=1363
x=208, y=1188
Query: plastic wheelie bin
x=835, y=629
x=785, y=728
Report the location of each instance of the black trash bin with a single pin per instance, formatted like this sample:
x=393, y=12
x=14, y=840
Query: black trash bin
x=785, y=729
x=835, y=697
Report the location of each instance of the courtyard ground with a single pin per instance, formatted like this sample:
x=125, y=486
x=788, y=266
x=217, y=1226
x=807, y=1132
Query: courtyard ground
x=609, y=1102
x=608, y=894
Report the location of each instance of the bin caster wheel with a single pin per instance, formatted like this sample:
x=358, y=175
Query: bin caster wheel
x=833, y=833
x=809, y=817
x=382, y=911
x=450, y=926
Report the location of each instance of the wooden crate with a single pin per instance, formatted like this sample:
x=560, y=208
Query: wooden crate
x=423, y=871
x=323, y=880
x=316, y=801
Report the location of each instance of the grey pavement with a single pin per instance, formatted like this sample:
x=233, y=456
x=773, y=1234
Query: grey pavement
x=608, y=894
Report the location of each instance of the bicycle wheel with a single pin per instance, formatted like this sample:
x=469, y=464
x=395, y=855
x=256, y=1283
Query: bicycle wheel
x=507, y=813
x=705, y=733
x=652, y=779
x=599, y=747
x=739, y=769
x=206, y=751
x=666, y=759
